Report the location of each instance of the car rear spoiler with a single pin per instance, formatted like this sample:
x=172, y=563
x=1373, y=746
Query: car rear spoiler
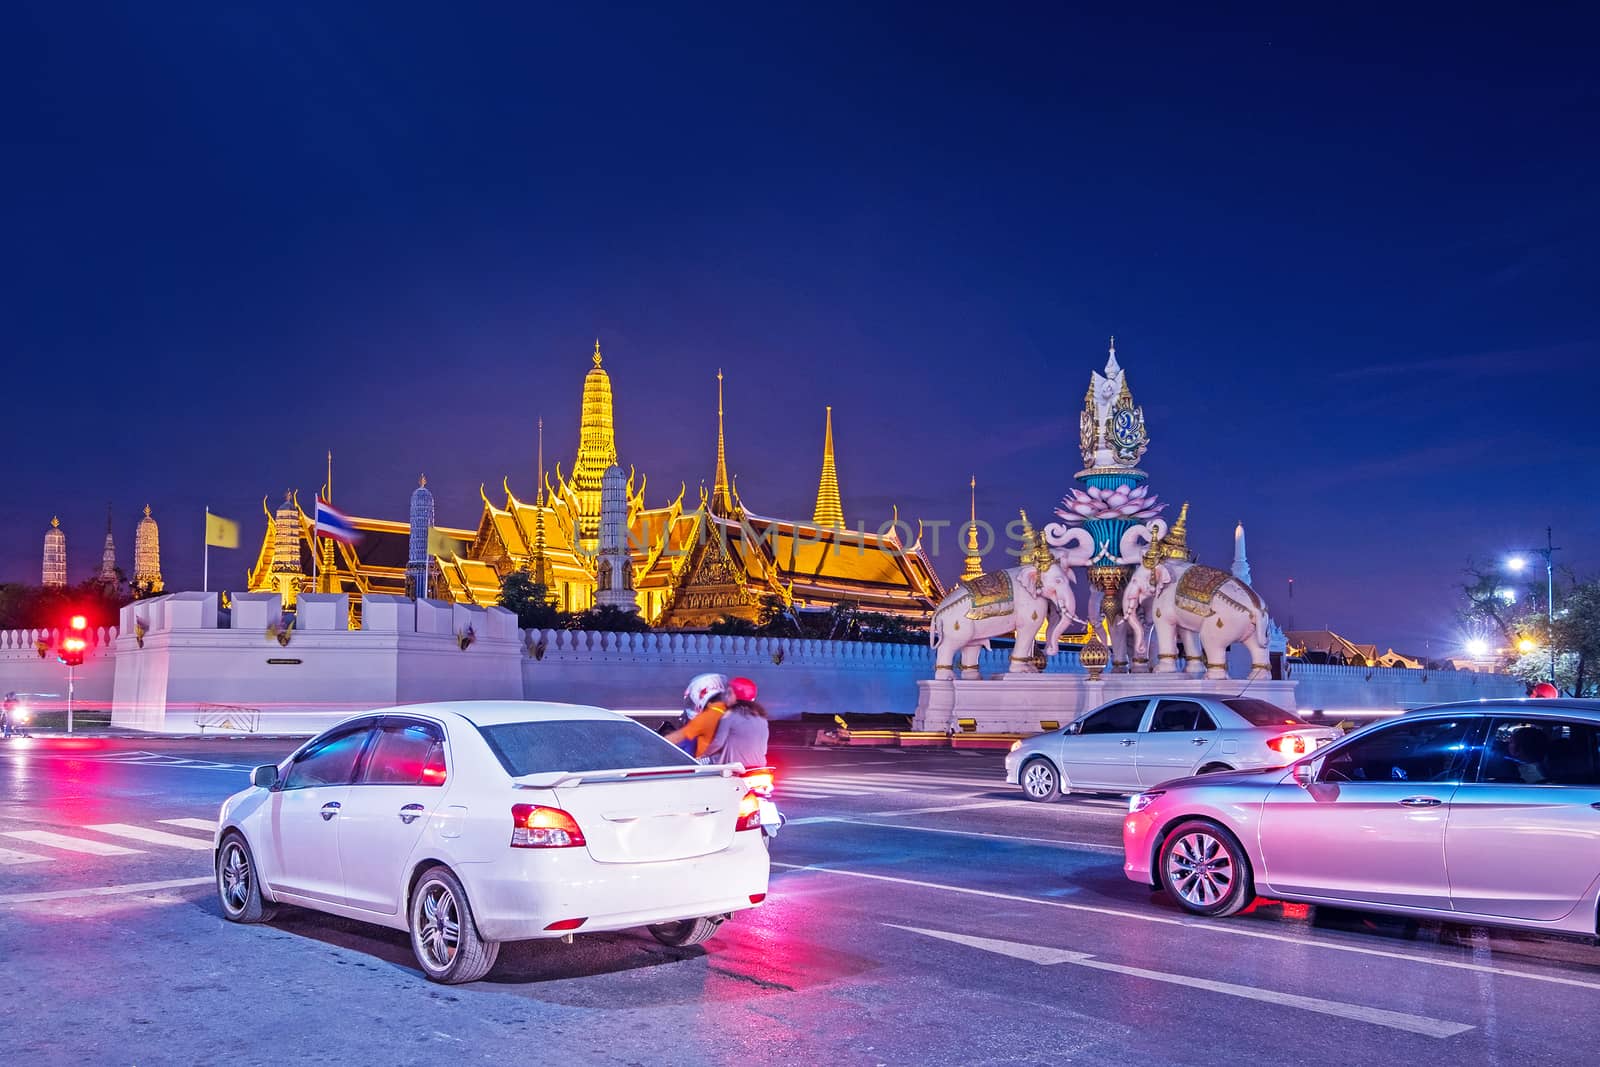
x=558, y=779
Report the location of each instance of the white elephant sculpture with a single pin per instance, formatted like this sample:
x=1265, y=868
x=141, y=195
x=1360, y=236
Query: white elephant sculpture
x=1209, y=609
x=1013, y=601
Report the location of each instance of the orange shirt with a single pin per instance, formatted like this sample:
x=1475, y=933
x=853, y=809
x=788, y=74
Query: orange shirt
x=703, y=727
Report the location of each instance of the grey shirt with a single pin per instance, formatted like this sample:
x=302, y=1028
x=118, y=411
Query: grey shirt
x=740, y=738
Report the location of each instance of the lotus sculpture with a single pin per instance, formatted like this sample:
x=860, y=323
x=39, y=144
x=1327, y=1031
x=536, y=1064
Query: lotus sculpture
x=1123, y=502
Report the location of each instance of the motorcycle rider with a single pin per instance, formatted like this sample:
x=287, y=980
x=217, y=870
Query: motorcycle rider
x=742, y=732
x=704, y=703
x=8, y=710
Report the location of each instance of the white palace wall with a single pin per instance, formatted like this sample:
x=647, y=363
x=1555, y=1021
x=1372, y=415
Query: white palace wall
x=202, y=668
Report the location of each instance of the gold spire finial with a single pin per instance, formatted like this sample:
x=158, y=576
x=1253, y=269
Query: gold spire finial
x=721, y=495
x=147, y=511
x=597, y=351
x=55, y=520
x=538, y=490
x=422, y=481
x=829, y=511
x=973, y=567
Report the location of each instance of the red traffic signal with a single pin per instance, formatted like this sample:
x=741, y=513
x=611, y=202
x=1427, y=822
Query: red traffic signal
x=72, y=650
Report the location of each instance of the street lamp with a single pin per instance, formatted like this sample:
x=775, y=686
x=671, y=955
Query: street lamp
x=1518, y=562
x=1477, y=648
x=1526, y=646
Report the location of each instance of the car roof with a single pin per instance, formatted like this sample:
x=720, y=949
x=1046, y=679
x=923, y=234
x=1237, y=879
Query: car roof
x=1583, y=709
x=495, y=712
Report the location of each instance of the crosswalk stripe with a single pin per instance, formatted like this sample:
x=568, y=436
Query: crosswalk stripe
x=193, y=824
x=72, y=844
x=154, y=837
x=10, y=856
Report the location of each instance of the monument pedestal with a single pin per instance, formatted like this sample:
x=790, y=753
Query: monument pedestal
x=1021, y=703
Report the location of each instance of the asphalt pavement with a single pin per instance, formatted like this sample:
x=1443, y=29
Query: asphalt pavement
x=921, y=913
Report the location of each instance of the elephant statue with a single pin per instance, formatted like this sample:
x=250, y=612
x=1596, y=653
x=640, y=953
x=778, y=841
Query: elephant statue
x=1013, y=601
x=1208, y=609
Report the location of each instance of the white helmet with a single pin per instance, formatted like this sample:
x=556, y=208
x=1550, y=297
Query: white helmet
x=702, y=688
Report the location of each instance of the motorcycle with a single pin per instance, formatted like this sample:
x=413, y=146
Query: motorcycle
x=760, y=782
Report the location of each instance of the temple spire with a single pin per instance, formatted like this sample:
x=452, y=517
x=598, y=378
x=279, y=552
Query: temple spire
x=1241, y=565
x=539, y=566
x=973, y=567
x=597, y=449
x=721, y=496
x=829, y=511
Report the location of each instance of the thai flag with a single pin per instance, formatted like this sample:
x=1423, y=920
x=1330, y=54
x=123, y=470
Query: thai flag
x=335, y=524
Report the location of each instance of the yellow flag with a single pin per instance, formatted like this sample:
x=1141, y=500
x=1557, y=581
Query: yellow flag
x=442, y=544
x=221, y=532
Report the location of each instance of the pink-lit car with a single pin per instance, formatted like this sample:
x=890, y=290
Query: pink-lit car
x=1478, y=813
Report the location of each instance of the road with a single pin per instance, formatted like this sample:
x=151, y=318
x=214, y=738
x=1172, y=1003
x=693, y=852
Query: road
x=920, y=914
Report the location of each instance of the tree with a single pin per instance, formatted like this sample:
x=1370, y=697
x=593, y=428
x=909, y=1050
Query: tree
x=611, y=619
x=41, y=607
x=531, y=601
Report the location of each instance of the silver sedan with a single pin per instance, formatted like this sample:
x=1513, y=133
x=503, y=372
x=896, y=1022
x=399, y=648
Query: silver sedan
x=1476, y=813
x=1135, y=742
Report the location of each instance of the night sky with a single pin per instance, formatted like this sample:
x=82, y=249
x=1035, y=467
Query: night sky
x=1349, y=262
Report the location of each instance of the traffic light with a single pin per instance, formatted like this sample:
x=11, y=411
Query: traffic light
x=75, y=641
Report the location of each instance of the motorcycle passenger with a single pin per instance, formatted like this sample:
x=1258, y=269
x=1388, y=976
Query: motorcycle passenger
x=704, y=703
x=742, y=734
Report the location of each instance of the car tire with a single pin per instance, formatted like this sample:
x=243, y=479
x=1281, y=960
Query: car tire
x=686, y=932
x=1040, y=780
x=1204, y=869
x=239, y=883
x=444, y=935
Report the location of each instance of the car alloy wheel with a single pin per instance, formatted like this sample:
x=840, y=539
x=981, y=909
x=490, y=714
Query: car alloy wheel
x=440, y=935
x=1039, y=780
x=1200, y=869
x=234, y=875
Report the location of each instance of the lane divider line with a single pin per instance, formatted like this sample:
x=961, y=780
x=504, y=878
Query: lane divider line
x=102, y=891
x=1205, y=927
x=207, y=825
x=1425, y=1025
x=71, y=844
x=153, y=837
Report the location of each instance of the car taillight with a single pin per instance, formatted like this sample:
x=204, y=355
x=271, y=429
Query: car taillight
x=749, y=813
x=1289, y=745
x=533, y=826
x=759, y=782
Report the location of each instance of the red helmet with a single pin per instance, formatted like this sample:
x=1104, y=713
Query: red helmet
x=1545, y=691
x=743, y=689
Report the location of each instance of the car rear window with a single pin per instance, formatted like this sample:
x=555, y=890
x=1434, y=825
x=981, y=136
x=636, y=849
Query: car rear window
x=1261, y=713
x=579, y=745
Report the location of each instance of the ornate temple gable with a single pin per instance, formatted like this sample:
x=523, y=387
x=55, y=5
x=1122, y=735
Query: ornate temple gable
x=712, y=583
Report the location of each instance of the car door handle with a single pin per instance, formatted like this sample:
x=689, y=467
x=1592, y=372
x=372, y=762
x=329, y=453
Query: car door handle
x=1199, y=740
x=1596, y=805
x=410, y=813
x=329, y=810
x=1422, y=802
x=1126, y=741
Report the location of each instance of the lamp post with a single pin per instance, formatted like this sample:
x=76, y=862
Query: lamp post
x=1518, y=562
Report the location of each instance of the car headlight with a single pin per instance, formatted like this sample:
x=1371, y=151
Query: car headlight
x=1139, y=801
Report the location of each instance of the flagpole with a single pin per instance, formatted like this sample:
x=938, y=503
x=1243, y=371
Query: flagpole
x=205, y=572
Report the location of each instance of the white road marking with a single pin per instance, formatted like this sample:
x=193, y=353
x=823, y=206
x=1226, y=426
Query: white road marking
x=1211, y=928
x=71, y=844
x=154, y=837
x=207, y=825
x=10, y=856
x=947, y=807
x=101, y=891
x=1093, y=845
x=1394, y=1020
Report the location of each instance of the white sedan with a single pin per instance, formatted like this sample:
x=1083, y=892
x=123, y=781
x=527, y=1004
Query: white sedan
x=1137, y=742
x=469, y=824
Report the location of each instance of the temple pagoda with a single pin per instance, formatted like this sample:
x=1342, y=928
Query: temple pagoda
x=690, y=563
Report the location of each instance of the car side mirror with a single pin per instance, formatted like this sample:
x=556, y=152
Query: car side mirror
x=1305, y=774
x=1074, y=727
x=264, y=776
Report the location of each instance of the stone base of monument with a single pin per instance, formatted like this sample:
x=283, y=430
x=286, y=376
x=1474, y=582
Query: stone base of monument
x=1026, y=703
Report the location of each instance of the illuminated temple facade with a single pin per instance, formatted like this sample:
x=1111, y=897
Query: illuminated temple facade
x=689, y=563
